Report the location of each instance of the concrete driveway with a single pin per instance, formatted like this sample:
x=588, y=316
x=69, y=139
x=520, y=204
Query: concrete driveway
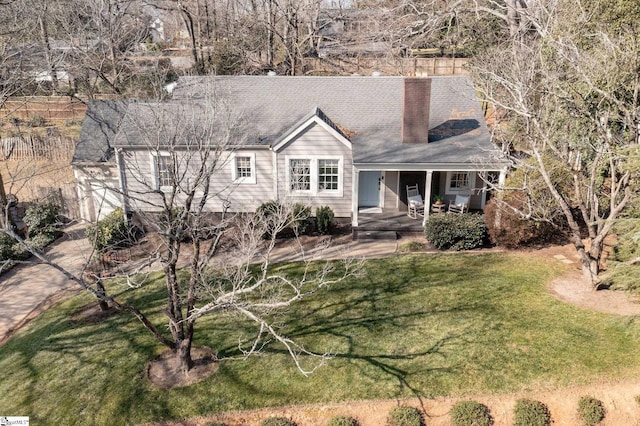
x=28, y=289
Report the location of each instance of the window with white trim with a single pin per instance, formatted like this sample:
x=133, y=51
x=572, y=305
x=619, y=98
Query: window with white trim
x=243, y=168
x=315, y=175
x=299, y=175
x=460, y=182
x=328, y=175
x=162, y=170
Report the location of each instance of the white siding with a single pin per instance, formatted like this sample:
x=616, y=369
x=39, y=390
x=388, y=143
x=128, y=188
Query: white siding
x=141, y=186
x=316, y=142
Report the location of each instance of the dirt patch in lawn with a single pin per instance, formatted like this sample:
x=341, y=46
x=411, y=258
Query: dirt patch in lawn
x=92, y=313
x=571, y=287
x=164, y=371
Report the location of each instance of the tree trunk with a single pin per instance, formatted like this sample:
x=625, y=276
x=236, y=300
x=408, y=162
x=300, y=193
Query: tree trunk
x=588, y=262
x=183, y=352
x=104, y=306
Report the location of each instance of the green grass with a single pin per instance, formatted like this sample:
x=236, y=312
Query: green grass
x=428, y=325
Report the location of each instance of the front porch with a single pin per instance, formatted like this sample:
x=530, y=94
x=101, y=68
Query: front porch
x=380, y=196
x=388, y=220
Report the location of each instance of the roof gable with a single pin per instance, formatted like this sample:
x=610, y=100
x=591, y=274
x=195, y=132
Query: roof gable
x=99, y=127
x=315, y=117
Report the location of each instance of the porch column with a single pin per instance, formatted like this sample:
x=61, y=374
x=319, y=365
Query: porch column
x=502, y=178
x=427, y=196
x=354, y=197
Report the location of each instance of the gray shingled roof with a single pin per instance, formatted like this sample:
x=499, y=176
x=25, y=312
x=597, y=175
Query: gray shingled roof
x=99, y=127
x=369, y=106
x=368, y=109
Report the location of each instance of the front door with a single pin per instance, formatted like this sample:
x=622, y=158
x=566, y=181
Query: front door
x=369, y=189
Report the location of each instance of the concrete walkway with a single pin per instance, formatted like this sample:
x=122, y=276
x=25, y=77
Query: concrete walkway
x=27, y=289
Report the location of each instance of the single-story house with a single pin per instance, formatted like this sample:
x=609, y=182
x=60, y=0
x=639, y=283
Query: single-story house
x=352, y=143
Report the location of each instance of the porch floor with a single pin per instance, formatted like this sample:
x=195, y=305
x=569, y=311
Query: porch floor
x=388, y=220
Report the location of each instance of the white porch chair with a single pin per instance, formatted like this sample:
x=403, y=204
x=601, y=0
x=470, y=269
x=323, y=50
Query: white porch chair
x=459, y=205
x=415, y=202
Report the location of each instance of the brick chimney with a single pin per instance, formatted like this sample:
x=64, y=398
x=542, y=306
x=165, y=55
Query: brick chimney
x=415, y=110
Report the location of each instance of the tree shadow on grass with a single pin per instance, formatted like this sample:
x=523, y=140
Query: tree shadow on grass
x=346, y=325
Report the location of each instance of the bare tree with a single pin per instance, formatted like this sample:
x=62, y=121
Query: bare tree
x=568, y=103
x=229, y=265
x=103, y=36
x=191, y=146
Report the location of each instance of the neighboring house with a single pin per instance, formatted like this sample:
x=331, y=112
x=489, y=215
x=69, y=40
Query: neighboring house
x=352, y=143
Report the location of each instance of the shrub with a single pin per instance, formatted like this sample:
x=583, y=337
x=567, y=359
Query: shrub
x=637, y=399
x=109, y=232
x=528, y=412
x=40, y=241
x=404, y=416
x=300, y=220
x=590, y=410
x=43, y=218
x=470, y=413
x=277, y=421
x=6, y=247
x=299, y=217
x=342, y=421
x=513, y=231
x=411, y=246
x=325, y=220
x=455, y=231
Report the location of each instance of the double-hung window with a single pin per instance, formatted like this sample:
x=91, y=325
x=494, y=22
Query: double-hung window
x=460, y=182
x=299, y=175
x=328, y=175
x=314, y=175
x=243, y=167
x=163, y=170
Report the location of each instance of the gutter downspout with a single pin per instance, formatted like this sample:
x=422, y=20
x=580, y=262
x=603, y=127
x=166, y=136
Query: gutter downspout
x=122, y=182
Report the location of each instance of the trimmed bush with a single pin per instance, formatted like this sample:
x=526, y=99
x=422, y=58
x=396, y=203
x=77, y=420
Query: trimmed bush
x=109, y=232
x=301, y=214
x=470, y=413
x=528, y=412
x=6, y=247
x=277, y=421
x=590, y=410
x=43, y=218
x=325, y=220
x=404, y=416
x=299, y=217
x=411, y=246
x=342, y=421
x=456, y=231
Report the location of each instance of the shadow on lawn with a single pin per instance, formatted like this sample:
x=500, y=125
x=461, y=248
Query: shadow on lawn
x=385, y=307
x=348, y=317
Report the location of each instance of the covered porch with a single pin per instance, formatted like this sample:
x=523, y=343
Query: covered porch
x=380, y=194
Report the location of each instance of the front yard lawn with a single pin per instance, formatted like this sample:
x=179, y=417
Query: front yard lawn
x=412, y=325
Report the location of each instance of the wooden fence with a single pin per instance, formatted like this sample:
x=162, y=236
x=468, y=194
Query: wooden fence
x=49, y=108
x=35, y=148
x=386, y=66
